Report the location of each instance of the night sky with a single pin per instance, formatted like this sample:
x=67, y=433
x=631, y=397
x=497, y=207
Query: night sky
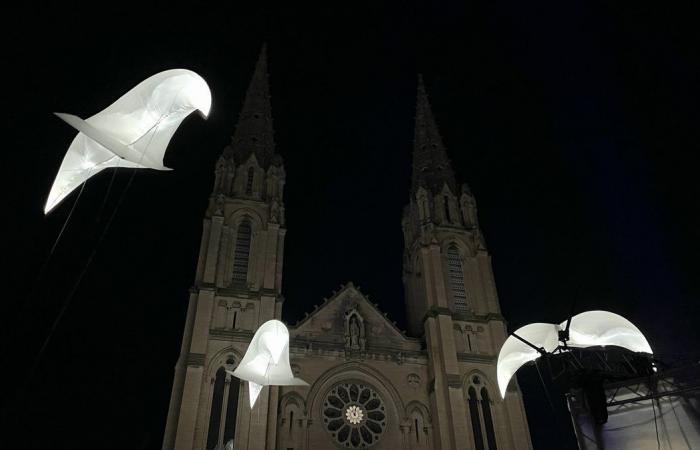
x=574, y=123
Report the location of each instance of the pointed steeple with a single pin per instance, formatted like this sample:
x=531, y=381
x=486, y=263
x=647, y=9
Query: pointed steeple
x=431, y=166
x=254, y=132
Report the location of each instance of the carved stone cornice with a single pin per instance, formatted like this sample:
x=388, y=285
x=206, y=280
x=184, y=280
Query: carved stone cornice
x=463, y=317
x=437, y=311
x=202, y=286
x=309, y=347
x=481, y=318
x=195, y=359
x=231, y=335
x=476, y=358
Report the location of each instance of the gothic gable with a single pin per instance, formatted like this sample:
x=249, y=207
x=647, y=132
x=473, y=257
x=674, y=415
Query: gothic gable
x=349, y=320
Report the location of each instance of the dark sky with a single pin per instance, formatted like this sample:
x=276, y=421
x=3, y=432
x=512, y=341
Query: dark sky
x=575, y=124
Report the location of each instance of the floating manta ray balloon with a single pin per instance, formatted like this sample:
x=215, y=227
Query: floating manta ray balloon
x=266, y=363
x=588, y=329
x=132, y=132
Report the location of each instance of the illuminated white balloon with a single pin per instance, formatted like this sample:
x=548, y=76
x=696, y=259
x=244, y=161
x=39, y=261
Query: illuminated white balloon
x=601, y=328
x=588, y=329
x=133, y=132
x=266, y=362
x=515, y=353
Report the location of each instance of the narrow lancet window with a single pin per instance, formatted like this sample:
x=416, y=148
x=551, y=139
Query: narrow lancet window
x=231, y=409
x=447, y=209
x=488, y=419
x=456, y=279
x=476, y=423
x=217, y=400
x=242, y=253
x=249, y=181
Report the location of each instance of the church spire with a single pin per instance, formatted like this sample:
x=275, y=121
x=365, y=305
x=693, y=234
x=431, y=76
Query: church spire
x=254, y=133
x=431, y=166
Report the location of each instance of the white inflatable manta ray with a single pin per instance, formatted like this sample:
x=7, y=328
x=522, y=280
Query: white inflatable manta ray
x=588, y=329
x=266, y=362
x=134, y=131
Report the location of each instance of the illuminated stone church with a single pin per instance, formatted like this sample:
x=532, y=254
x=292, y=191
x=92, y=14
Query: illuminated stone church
x=372, y=385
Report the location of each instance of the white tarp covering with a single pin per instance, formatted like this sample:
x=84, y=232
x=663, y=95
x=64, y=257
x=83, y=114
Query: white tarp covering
x=132, y=132
x=672, y=422
x=588, y=329
x=266, y=362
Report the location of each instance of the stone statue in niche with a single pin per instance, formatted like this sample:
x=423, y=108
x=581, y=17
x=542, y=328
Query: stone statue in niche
x=354, y=331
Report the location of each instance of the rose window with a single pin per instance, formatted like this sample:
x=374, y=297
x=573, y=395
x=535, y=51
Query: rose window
x=354, y=415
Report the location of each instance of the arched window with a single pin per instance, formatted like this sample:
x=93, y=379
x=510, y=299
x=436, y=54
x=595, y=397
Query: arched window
x=217, y=401
x=417, y=438
x=488, y=419
x=455, y=276
x=242, y=253
x=446, y=201
x=223, y=413
x=249, y=181
x=476, y=422
x=231, y=409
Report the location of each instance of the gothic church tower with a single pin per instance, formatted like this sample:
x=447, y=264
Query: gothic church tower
x=371, y=385
x=451, y=302
x=237, y=287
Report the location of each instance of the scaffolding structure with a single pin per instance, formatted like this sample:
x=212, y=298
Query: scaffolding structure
x=658, y=411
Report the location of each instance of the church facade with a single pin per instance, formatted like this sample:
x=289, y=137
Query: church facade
x=371, y=385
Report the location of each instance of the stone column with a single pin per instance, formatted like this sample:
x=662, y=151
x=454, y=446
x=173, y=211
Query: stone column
x=405, y=430
x=224, y=409
x=179, y=379
x=210, y=264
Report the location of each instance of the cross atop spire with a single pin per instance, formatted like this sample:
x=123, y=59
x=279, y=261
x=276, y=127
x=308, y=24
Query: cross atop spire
x=431, y=166
x=254, y=132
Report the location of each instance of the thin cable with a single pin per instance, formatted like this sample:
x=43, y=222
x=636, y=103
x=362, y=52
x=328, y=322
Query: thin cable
x=65, y=224
x=551, y=403
x=109, y=189
x=45, y=264
x=546, y=391
x=75, y=287
x=72, y=292
x=22, y=309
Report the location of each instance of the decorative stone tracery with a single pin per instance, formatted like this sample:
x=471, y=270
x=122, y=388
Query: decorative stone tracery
x=354, y=415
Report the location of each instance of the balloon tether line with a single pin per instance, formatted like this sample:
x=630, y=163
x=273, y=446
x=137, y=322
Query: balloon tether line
x=549, y=399
x=75, y=287
x=45, y=264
